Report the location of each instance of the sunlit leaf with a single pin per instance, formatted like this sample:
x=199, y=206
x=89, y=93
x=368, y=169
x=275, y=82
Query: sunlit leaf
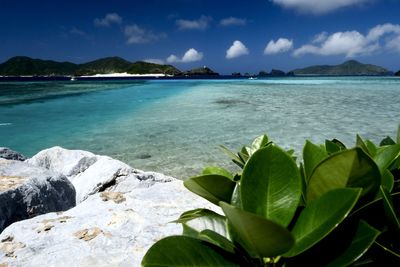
x=271, y=185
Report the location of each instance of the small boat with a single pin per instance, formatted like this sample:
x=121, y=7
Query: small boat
x=73, y=78
x=253, y=78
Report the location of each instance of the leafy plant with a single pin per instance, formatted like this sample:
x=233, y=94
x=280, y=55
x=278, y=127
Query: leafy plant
x=336, y=208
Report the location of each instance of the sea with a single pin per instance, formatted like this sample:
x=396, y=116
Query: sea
x=175, y=126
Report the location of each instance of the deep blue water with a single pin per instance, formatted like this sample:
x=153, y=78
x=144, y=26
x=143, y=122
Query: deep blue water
x=174, y=126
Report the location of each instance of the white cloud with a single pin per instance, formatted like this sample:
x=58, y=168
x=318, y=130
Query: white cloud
x=154, y=61
x=318, y=6
x=236, y=50
x=77, y=31
x=280, y=46
x=232, y=21
x=199, y=24
x=110, y=18
x=139, y=35
x=172, y=59
x=353, y=43
x=191, y=55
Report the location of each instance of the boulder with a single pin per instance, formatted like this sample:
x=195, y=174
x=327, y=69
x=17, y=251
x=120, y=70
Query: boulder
x=114, y=227
x=89, y=173
x=27, y=191
x=7, y=153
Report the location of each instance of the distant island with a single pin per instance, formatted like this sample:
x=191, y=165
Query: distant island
x=26, y=66
x=351, y=67
x=118, y=67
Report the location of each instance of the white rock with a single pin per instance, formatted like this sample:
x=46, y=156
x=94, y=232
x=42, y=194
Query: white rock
x=27, y=191
x=111, y=228
x=88, y=173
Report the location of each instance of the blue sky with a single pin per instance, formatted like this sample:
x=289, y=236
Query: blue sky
x=228, y=36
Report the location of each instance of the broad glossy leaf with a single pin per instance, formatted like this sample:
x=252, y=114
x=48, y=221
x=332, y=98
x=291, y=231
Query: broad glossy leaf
x=312, y=156
x=389, y=209
x=348, y=168
x=362, y=241
x=217, y=170
x=212, y=187
x=195, y=221
x=183, y=251
x=387, y=141
x=386, y=155
x=264, y=237
x=217, y=239
x=236, y=198
x=271, y=185
x=331, y=147
x=321, y=216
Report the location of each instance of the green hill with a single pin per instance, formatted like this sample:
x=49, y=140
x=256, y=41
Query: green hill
x=19, y=66
x=203, y=71
x=141, y=67
x=104, y=66
x=351, y=67
x=26, y=66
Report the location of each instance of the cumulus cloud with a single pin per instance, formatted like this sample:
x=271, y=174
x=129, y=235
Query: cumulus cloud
x=318, y=6
x=280, y=46
x=232, y=21
x=236, y=50
x=154, y=61
x=198, y=24
x=353, y=43
x=138, y=35
x=110, y=18
x=191, y=55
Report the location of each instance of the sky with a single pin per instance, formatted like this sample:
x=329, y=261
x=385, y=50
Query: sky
x=227, y=36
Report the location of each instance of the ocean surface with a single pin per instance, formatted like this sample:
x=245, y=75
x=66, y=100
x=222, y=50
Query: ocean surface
x=175, y=126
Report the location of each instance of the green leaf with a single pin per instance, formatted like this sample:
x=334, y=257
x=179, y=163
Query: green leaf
x=321, y=216
x=387, y=141
x=339, y=144
x=262, y=236
x=235, y=158
x=348, y=168
x=386, y=155
x=312, y=155
x=183, y=251
x=218, y=240
x=389, y=209
x=360, y=143
x=271, y=185
x=260, y=142
x=362, y=241
x=217, y=170
x=398, y=135
x=371, y=147
x=212, y=187
x=387, y=180
x=331, y=147
x=195, y=221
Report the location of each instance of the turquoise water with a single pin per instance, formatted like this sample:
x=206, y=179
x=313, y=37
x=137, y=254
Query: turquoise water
x=174, y=126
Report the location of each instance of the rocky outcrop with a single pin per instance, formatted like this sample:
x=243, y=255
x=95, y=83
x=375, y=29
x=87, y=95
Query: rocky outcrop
x=112, y=226
x=27, y=191
x=7, y=153
x=397, y=73
x=88, y=173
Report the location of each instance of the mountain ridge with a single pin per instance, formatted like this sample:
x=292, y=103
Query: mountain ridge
x=350, y=67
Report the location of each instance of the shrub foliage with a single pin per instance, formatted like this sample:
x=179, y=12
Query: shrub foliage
x=338, y=207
